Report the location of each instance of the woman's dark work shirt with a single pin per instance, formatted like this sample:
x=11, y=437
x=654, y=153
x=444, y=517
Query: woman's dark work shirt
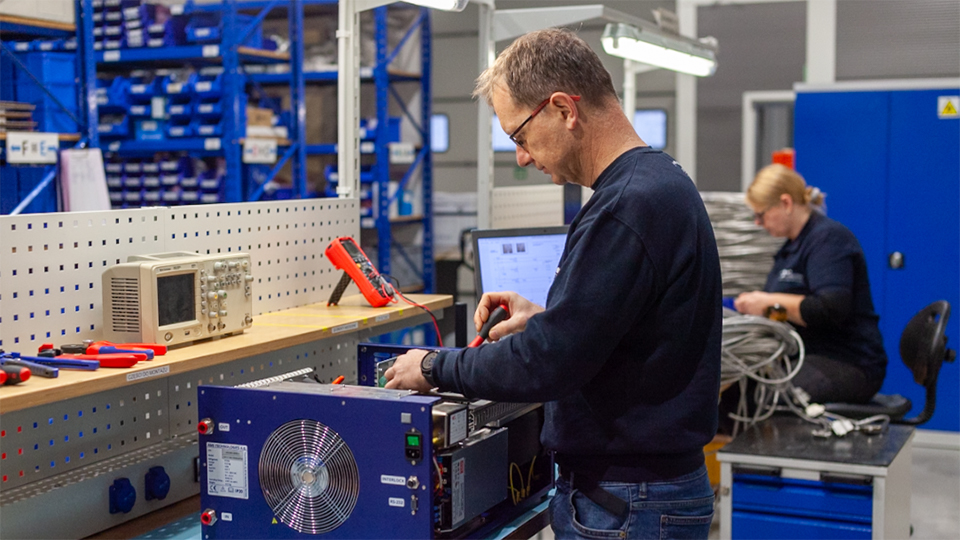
x=825, y=264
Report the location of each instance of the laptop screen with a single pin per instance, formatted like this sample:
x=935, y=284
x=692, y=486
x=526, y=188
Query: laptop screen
x=519, y=260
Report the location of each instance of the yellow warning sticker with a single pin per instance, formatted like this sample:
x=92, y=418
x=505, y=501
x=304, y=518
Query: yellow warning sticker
x=947, y=106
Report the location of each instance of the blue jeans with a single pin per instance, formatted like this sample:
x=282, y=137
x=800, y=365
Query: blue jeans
x=678, y=508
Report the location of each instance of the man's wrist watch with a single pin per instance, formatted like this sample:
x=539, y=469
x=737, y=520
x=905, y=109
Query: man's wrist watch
x=426, y=367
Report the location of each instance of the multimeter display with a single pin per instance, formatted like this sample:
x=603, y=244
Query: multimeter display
x=346, y=255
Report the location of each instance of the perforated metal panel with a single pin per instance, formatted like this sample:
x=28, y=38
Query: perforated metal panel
x=50, y=264
x=49, y=440
x=50, y=268
x=527, y=206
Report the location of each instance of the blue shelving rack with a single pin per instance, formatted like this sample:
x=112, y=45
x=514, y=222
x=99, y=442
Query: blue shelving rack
x=232, y=54
x=385, y=80
x=34, y=188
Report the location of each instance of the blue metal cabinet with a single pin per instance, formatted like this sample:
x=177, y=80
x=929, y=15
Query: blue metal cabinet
x=890, y=166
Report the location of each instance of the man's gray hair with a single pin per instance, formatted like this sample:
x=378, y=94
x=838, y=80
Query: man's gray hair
x=547, y=61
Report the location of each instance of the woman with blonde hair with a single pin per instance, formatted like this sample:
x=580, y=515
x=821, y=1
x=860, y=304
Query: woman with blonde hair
x=819, y=279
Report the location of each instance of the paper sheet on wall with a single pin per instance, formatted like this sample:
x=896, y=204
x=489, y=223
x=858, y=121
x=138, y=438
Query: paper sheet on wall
x=83, y=181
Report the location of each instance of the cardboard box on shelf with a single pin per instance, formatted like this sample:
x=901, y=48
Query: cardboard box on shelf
x=259, y=117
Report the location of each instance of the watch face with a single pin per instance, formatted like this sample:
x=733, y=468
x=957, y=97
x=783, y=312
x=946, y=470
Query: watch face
x=427, y=363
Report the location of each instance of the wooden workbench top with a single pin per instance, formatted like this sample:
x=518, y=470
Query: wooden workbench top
x=270, y=332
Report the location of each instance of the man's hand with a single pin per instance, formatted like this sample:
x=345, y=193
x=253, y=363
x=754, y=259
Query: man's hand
x=405, y=373
x=519, y=307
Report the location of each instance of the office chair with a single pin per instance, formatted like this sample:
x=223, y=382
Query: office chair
x=923, y=348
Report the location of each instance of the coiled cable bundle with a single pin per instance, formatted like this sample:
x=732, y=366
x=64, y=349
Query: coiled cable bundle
x=746, y=250
x=767, y=352
x=771, y=353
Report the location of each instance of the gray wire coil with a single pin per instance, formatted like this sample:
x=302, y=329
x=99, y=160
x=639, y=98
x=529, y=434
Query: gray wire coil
x=746, y=250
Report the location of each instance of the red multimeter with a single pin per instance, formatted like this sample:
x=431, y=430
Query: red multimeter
x=346, y=255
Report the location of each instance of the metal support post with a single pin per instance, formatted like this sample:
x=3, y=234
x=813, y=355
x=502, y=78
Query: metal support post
x=381, y=169
x=297, y=94
x=426, y=97
x=235, y=102
x=87, y=61
x=348, y=100
x=487, y=53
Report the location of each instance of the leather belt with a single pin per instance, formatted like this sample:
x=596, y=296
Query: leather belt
x=591, y=489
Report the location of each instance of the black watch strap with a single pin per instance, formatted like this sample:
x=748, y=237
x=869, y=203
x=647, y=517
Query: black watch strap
x=426, y=367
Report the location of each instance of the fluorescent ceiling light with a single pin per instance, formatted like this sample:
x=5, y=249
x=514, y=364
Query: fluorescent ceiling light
x=668, y=52
x=444, y=5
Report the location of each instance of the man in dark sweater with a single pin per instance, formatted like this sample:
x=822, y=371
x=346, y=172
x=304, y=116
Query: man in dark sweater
x=626, y=355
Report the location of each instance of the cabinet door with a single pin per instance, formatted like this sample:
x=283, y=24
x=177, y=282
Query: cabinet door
x=923, y=224
x=841, y=141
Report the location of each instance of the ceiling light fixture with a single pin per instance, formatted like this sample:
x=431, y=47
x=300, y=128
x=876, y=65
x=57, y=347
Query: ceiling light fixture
x=675, y=53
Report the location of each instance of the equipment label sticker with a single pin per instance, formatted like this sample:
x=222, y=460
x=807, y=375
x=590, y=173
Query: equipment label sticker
x=381, y=318
x=227, y=470
x=344, y=328
x=147, y=373
x=396, y=501
x=393, y=480
x=458, y=472
x=947, y=106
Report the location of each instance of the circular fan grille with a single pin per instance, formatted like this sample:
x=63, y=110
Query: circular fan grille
x=309, y=477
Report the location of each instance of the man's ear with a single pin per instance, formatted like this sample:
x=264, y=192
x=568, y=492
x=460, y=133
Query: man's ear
x=567, y=107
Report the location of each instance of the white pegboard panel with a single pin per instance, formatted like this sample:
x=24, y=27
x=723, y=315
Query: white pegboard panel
x=50, y=268
x=49, y=440
x=285, y=240
x=526, y=206
x=51, y=264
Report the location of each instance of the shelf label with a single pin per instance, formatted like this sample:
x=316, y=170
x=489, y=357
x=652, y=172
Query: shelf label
x=211, y=144
x=23, y=147
x=209, y=51
x=111, y=56
x=402, y=153
x=158, y=104
x=259, y=150
x=203, y=86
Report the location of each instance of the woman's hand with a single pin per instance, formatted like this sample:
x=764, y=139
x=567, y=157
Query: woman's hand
x=753, y=303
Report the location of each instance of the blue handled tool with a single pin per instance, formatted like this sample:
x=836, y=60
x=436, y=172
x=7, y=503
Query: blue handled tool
x=59, y=362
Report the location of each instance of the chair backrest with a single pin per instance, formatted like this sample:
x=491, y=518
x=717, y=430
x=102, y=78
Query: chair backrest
x=923, y=344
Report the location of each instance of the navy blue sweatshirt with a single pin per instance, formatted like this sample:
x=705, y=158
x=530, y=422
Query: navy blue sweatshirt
x=626, y=356
x=826, y=264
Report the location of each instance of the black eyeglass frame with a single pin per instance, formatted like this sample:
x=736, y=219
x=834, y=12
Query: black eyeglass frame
x=535, y=112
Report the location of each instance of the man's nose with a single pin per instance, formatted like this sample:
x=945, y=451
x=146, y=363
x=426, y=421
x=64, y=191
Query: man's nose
x=523, y=158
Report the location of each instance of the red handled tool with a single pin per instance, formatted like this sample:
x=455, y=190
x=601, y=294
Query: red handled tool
x=499, y=314
x=36, y=369
x=14, y=374
x=3, y=376
x=157, y=349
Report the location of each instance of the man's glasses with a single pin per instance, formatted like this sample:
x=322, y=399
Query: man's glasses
x=535, y=112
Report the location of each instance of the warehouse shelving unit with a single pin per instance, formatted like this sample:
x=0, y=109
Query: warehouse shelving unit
x=34, y=188
x=232, y=54
x=377, y=152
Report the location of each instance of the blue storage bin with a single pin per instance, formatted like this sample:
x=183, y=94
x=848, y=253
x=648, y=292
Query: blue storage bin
x=208, y=28
x=368, y=129
x=132, y=182
x=180, y=109
x=114, y=167
x=170, y=179
x=150, y=130
x=209, y=108
x=113, y=31
x=114, y=182
x=209, y=86
x=177, y=128
x=55, y=71
x=141, y=90
x=170, y=196
x=151, y=196
x=113, y=96
x=132, y=167
x=47, y=45
x=116, y=197
x=204, y=128
x=132, y=196
x=139, y=111
x=114, y=126
x=149, y=167
x=112, y=15
x=167, y=34
x=172, y=86
x=189, y=196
